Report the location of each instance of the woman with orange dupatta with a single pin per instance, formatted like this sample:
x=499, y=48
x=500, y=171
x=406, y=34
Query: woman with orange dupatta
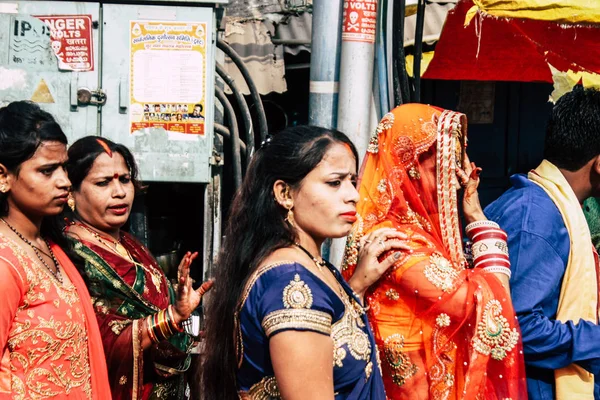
x=49, y=338
x=443, y=330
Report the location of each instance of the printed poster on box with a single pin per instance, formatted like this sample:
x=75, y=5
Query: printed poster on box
x=167, y=76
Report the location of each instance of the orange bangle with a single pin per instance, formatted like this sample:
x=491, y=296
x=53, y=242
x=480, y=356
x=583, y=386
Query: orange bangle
x=172, y=322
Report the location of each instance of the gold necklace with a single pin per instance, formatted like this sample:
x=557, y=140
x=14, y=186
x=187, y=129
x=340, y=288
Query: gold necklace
x=121, y=250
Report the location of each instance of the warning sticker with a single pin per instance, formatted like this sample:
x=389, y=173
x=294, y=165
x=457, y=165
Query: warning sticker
x=360, y=21
x=71, y=41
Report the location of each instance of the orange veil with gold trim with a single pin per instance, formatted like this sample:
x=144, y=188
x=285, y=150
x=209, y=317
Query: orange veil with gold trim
x=443, y=331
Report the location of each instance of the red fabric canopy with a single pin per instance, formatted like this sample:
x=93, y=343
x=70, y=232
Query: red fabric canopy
x=501, y=49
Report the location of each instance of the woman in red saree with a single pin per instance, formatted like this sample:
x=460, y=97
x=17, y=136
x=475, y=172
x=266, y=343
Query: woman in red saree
x=444, y=331
x=139, y=312
x=50, y=344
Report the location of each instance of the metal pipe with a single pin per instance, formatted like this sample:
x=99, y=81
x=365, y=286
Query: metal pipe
x=249, y=132
x=263, y=128
x=380, y=60
x=418, y=49
x=325, y=62
x=292, y=42
x=235, y=134
x=401, y=84
x=226, y=134
x=356, y=86
x=356, y=83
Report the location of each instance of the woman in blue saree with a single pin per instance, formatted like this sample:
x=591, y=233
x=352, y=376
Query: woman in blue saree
x=282, y=323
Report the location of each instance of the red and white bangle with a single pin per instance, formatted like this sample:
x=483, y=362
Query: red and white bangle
x=498, y=270
x=489, y=248
x=481, y=224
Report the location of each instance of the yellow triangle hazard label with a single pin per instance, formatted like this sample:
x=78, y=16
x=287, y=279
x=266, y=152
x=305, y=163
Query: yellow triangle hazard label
x=42, y=93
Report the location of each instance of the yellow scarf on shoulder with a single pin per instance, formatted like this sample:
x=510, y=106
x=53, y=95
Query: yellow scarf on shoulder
x=579, y=291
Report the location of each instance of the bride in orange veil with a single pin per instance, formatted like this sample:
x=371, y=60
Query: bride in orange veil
x=443, y=330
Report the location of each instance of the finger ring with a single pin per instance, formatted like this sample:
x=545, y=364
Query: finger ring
x=382, y=243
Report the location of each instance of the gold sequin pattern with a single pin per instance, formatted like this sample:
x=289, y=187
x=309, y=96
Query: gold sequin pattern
x=48, y=350
x=441, y=273
x=266, y=389
x=298, y=318
x=400, y=364
x=347, y=331
x=297, y=294
x=494, y=334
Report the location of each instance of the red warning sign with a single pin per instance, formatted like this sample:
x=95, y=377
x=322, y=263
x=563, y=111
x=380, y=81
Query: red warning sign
x=71, y=41
x=360, y=21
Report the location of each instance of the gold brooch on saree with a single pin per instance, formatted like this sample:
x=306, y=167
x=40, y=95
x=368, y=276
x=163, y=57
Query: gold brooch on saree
x=494, y=335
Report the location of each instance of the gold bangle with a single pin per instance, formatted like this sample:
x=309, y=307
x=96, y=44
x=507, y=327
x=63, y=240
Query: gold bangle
x=162, y=324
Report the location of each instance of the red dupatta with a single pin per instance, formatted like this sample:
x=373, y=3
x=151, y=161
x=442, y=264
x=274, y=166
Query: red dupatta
x=98, y=370
x=443, y=331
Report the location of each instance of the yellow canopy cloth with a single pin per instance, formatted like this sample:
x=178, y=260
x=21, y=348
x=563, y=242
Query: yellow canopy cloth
x=562, y=11
x=579, y=292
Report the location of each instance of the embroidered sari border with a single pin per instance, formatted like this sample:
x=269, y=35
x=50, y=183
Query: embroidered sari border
x=297, y=318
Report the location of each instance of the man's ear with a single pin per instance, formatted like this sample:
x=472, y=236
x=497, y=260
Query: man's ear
x=596, y=165
x=281, y=191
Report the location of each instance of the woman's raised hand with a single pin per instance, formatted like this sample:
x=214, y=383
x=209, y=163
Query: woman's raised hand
x=468, y=178
x=369, y=269
x=188, y=299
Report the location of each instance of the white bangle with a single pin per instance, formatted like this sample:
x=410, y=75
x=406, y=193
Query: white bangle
x=478, y=224
x=488, y=247
x=496, y=269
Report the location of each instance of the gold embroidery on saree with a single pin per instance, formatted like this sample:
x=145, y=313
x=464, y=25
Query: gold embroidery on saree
x=442, y=320
x=297, y=318
x=239, y=344
x=386, y=123
x=441, y=273
x=392, y=294
x=266, y=389
x=494, y=335
x=347, y=331
x=117, y=326
x=440, y=374
x=353, y=244
x=297, y=294
x=64, y=341
x=368, y=370
x=400, y=364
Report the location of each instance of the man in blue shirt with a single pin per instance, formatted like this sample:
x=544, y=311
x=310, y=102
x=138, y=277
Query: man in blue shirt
x=539, y=246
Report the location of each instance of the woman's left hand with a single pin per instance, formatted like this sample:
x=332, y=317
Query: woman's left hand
x=188, y=299
x=469, y=180
x=369, y=269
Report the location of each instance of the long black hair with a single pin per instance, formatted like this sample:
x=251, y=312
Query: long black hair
x=256, y=227
x=24, y=126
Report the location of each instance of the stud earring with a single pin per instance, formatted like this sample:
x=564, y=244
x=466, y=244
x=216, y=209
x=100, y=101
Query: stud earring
x=3, y=188
x=71, y=202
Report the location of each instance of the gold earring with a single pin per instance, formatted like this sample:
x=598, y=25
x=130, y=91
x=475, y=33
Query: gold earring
x=71, y=202
x=3, y=188
x=290, y=214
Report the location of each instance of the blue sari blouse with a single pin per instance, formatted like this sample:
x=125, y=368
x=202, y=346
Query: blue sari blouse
x=287, y=296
